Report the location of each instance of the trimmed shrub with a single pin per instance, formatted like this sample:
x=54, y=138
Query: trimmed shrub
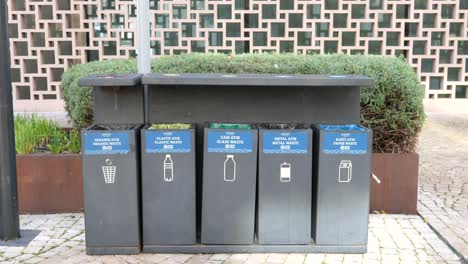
x=393, y=108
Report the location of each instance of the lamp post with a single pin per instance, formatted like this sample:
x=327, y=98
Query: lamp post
x=9, y=218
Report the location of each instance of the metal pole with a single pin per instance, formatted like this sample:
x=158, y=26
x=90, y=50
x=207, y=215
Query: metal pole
x=9, y=218
x=143, y=33
x=143, y=49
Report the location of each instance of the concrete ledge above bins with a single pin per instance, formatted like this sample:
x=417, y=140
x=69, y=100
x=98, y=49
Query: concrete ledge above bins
x=118, y=98
x=254, y=98
x=262, y=80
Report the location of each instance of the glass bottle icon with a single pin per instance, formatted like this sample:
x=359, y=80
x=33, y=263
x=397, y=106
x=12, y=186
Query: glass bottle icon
x=230, y=168
x=168, y=169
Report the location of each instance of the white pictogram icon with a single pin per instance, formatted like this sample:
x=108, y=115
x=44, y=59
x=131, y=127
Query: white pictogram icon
x=230, y=167
x=285, y=175
x=168, y=169
x=345, y=171
x=109, y=171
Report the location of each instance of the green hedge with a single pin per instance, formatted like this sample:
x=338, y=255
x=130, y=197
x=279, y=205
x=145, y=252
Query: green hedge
x=393, y=108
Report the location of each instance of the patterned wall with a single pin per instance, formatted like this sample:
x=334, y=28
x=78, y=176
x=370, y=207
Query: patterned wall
x=49, y=36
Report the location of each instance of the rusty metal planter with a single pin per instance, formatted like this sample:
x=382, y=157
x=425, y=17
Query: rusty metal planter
x=50, y=183
x=398, y=191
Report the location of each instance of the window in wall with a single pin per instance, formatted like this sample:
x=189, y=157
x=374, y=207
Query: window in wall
x=367, y=29
x=313, y=11
x=437, y=38
x=461, y=91
x=375, y=47
x=385, y=20
x=304, y=38
x=419, y=47
x=268, y=11
x=429, y=20
x=445, y=56
x=453, y=74
x=427, y=65
x=358, y=11
x=278, y=29
x=435, y=83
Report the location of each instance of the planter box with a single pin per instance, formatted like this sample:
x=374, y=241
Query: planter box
x=398, y=191
x=49, y=183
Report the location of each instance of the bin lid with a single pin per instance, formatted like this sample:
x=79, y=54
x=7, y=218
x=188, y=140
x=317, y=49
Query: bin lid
x=110, y=80
x=258, y=80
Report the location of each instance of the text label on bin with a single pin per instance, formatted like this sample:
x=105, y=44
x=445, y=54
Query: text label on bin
x=345, y=143
x=106, y=143
x=168, y=142
x=230, y=142
x=285, y=142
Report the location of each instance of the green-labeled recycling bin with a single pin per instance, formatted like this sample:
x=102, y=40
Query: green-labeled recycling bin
x=229, y=184
x=284, y=184
x=168, y=185
x=111, y=165
x=341, y=184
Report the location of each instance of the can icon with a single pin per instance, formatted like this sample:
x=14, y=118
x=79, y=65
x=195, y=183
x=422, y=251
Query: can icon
x=285, y=175
x=345, y=171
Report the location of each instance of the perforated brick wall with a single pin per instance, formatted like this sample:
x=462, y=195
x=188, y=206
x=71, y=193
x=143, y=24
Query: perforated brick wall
x=47, y=37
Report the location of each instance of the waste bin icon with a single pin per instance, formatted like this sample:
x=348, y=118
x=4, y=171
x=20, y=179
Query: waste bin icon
x=109, y=172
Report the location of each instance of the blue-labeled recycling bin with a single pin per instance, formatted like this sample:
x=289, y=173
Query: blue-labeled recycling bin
x=229, y=186
x=111, y=186
x=341, y=184
x=111, y=164
x=168, y=187
x=284, y=185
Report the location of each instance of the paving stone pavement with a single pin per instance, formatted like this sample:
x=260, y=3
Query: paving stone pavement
x=443, y=178
x=392, y=239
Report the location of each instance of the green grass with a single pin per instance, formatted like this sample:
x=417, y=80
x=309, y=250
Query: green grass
x=35, y=134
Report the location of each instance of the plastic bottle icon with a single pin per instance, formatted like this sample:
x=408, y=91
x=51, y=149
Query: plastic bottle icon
x=346, y=171
x=168, y=169
x=230, y=169
x=285, y=175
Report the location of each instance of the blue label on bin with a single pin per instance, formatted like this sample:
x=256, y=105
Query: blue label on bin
x=285, y=142
x=345, y=143
x=106, y=143
x=230, y=141
x=168, y=142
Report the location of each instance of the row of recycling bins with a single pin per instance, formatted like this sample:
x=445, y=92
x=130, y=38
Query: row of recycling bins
x=259, y=184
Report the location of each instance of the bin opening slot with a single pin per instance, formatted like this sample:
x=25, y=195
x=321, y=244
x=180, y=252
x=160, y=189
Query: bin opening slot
x=350, y=127
x=282, y=126
x=230, y=126
x=113, y=127
x=170, y=126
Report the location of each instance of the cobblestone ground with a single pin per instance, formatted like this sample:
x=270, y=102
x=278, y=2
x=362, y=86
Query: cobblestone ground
x=392, y=239
x=443, y=178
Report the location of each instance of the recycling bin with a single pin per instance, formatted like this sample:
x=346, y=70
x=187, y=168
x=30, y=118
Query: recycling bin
x=284, y=184
x=111, y=165
x=229, y=184
x=168, y=185
x=341, y=184
x=111, y=187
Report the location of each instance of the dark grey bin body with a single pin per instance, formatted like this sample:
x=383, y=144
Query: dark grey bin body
x=168, y=187
x=228, y=203
x=284, y=186
x=341, y=186
x=111, y=196
x=111, y=165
